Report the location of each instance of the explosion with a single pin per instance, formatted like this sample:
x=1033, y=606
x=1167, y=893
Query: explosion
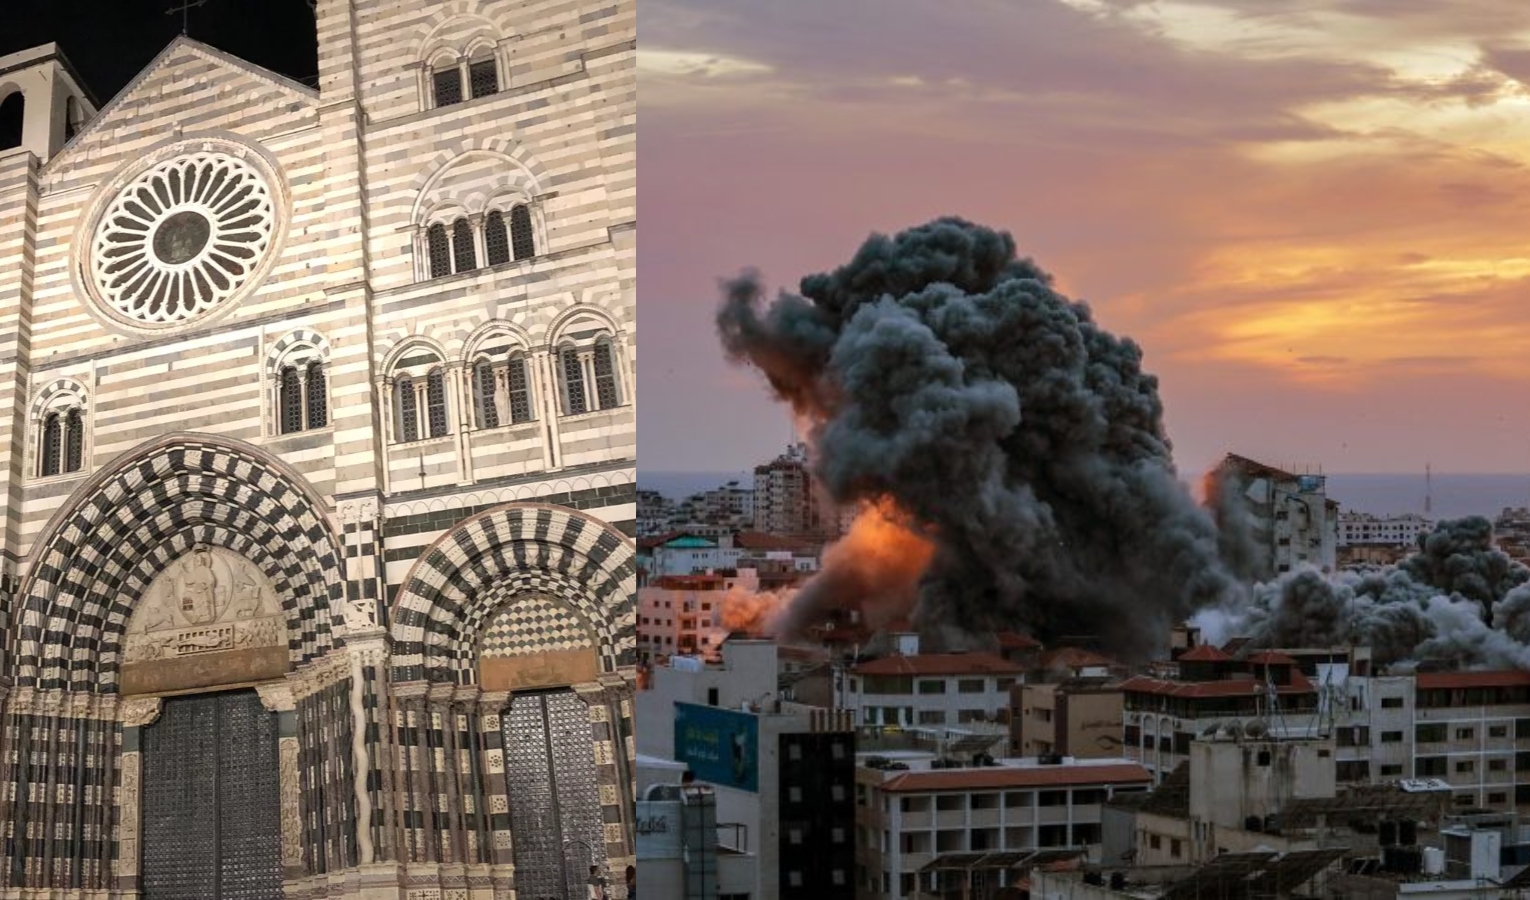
x=940, y=371
x=753, y=612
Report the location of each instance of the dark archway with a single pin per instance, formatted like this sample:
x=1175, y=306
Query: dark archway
x=13, y=110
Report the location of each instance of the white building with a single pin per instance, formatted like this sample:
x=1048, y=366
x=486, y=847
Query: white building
x=911, y=811
x=1287, y=517
x=1364, y=529
x=910, y=688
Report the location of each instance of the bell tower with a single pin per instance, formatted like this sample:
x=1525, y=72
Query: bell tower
x=43, y=102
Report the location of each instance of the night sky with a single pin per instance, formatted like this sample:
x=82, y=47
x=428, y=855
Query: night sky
x=110, y=41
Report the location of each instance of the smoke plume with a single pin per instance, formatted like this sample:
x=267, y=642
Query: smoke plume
x=944, y=373
x=1458, y=600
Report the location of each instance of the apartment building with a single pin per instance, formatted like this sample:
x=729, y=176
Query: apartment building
x=1079, y=717
x=915, y=812
x=931, y=689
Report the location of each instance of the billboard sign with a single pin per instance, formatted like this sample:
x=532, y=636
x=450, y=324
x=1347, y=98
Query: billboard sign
x=721, y=747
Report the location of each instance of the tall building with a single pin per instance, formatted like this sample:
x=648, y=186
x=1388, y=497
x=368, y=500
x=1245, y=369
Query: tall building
x=1284, y=521
x=787, y=500
x=782, y=773
x=318, y=446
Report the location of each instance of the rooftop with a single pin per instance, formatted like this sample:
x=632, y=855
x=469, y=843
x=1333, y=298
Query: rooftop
x=1018, y=774
x=1246, y=686
x=1507, y=678
x=940, y=664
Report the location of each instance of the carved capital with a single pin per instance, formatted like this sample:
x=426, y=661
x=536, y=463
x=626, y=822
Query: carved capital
x=140, y=711
x=276, y=696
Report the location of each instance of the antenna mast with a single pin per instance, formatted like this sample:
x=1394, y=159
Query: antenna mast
x=1428, y=491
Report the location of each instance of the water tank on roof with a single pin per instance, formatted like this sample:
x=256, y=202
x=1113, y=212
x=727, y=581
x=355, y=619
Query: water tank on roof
x=1434, y=861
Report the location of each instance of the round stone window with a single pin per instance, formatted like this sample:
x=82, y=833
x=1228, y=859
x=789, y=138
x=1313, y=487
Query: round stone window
x=182, y=237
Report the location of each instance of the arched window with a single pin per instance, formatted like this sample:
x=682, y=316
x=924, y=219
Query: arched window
x=484, y=388
x=440, y=251
x=408, y=414
x=605, y=375
x=520, y=232
x=447, y=84
x=573, y=382
x=318, y=399
x=74, y=441
x=483, y=75
x=72, y=118
x=496, y=239
x=50, y=445
x=291, y=400
x=13, y=111
x=464, y=254
x=435, y=402
x=519, y=389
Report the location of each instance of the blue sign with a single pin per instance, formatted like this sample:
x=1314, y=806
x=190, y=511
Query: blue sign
x=721, y=747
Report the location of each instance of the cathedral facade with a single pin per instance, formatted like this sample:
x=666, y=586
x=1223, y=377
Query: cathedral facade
x=318, y=438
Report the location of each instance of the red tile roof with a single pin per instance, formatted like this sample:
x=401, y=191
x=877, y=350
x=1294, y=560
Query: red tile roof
x=1235, y=687
x=1507, y=678
x=940, y=664
x=995, y=777
x=1271, y=658
x=689, y=582
x=1074, y=658
x=1010, y=640
x=760, y=540
x=1204, y=653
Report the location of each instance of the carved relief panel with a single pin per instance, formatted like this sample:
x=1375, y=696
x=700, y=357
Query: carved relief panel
x=211, y=618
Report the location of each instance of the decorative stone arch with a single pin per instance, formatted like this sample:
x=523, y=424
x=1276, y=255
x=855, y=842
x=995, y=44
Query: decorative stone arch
x=299, y=346
x=457, y=27
x=492, y=331
x=558, y=332
x=414, y=342
x=470, y=573
x=510, y=173
x=60, y=393
x=98, y=553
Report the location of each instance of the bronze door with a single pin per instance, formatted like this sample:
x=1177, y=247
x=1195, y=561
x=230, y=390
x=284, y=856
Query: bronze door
x=555, y=815
x=211, y=801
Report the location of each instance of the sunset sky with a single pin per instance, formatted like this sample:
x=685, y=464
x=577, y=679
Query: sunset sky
x=1313, y=216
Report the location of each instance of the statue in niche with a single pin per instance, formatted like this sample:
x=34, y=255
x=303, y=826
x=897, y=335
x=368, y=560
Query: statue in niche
x=202, y=596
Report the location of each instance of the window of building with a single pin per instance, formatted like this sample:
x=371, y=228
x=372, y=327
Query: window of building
x=1498, y=798
x=932, y=686
x=1429, y=767
x=1465, y=734
x=1391, y=737
x=573, y=382
x=932, y=717
x=1464, y=766
x=1427, y=734
x=440, y=251
x=1498, y=731
x=1175, y=847
x=316, y=395
x=447, y=84
x=435, y=399
x=521, y=239
x=483, y=75
x=61, y=442
x=1498, y=765
x=464, y=253
x=1391, y=771
x=1155, y=842
x=496, y=239
x=407, y=405
x=970, y=686
x=1391, y=702
x=605, y=375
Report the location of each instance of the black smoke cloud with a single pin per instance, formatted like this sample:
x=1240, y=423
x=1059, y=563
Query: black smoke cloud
x=941, y=370
x=1458, y=600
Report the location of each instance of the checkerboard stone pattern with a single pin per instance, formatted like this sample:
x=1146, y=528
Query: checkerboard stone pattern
x=508, y=552
x=531, y=625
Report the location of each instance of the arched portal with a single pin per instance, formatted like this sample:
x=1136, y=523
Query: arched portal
x=171, y=659
x=530, y=608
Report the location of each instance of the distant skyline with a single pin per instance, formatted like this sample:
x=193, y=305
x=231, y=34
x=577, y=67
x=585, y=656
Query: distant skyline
x=1311, y=217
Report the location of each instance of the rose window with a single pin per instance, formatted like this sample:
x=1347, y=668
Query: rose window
x=182, y=237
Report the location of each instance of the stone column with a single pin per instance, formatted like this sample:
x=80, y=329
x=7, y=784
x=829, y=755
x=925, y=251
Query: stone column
x=135, y=714
x=277, y=698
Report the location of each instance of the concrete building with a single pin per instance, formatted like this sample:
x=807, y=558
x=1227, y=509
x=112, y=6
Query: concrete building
x=1081, y=718
x=787, y=499
x=1287, y=519
x=931, y=689
x=1364, y=529
x=782, y=772
x=319, y=446
x=916, y=812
